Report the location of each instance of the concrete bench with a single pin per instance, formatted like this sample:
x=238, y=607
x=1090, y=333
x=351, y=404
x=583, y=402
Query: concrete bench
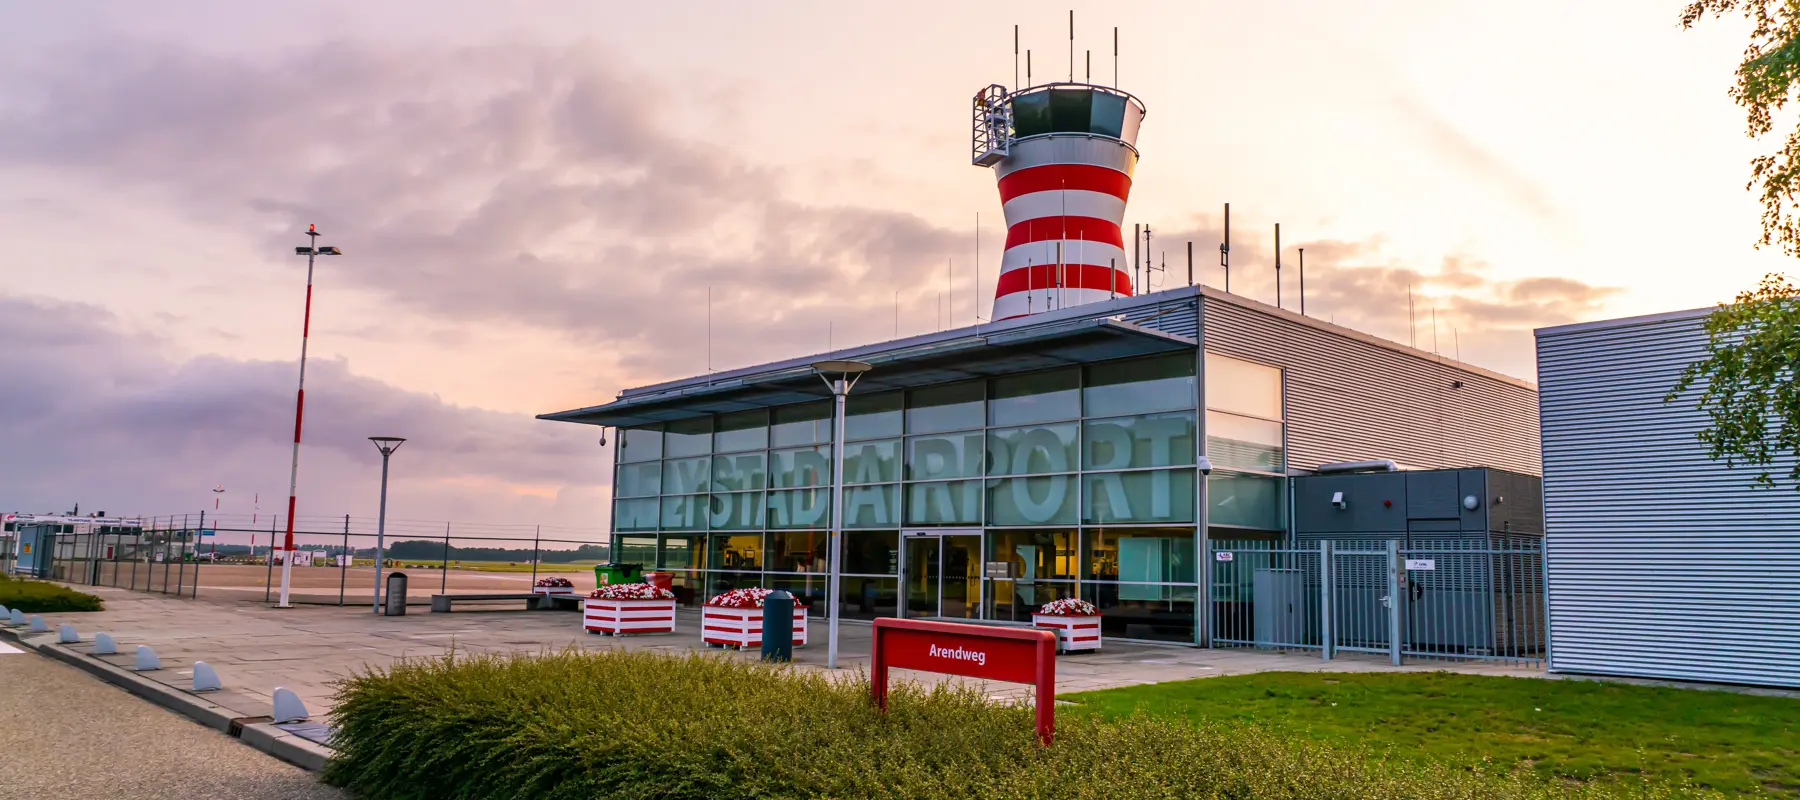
x=441, y=602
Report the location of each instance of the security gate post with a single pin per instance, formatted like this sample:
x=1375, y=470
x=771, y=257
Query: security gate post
x=1396, y=576
x=1327, y=592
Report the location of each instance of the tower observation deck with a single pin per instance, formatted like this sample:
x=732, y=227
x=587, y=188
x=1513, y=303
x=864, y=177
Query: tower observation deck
x=1064, y=154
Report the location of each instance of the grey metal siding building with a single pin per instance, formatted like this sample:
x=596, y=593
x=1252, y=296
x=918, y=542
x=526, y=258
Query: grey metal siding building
x=1661, y=562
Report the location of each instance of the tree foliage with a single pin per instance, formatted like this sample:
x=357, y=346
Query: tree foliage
x=1750, y=391
x=1765, y=84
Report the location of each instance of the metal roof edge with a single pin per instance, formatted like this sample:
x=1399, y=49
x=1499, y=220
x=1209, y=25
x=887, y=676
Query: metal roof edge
x=1623, y=322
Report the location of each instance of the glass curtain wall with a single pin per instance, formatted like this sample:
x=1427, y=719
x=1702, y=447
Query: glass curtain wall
x=1083, y=478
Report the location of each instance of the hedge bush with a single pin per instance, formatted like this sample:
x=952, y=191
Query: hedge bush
x=643, y=725
x=42, y=597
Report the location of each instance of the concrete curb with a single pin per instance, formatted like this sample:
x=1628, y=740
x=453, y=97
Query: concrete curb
x=262, y=736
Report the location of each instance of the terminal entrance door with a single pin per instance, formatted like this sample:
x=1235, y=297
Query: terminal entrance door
x=943, y=574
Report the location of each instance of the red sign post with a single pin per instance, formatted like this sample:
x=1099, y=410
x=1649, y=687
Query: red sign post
x=1014, y=655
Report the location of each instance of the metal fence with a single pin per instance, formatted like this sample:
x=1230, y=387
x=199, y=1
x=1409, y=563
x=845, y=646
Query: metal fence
x=1450, y=600
x=185, y=555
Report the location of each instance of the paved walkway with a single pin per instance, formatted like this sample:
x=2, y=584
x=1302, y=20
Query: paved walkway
x=256, y=648
x=68, y=736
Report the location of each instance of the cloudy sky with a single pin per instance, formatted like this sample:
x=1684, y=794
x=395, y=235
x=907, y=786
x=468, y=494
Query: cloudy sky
x=535, y=201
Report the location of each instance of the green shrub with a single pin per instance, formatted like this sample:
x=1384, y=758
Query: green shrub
x=42, y=597
x=640, y=725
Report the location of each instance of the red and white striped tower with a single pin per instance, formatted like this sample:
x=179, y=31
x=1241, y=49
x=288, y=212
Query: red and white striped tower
x=287, y=545
x=1064, y=154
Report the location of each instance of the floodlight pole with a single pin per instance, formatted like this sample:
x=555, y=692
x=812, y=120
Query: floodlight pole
x=387, y=445
x=311, y=250
x=848, y=372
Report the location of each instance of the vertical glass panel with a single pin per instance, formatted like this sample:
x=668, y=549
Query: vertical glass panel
x=804, y=508
x=689, y=586
x=719, y=581
x=1150, y=440
x=1252, y=501
x=687, y=475
x=737, y=472
x=634, y=515
x=1142, y=555
x=872, y=552
x=1071, y=110
x=1030, y=450
x=873, y=416
x=1036, y=500
x=944, y=503
x=638, y=480
x=806, y=423
x=868, y=598
x=1242, y=387
x=1157, y=613
x=953, y=407
x=1242, y=442
x=639, y=444
x=808, y=466
x=1035, y=397
x=875, y=506
x=743, y=430
x=1016, y=601
x=1031, y=114
x=1109, y=115
x=1159, y=383
x=872, y=462
x=637, y=550
x=736, y=551
x=1164, y=495
x=1037, y=555
x=955, y=455
x=689, y=437
x=683, y=552
x=684, y=513
x=736, y=511
x=808, y=590
x=797, y=551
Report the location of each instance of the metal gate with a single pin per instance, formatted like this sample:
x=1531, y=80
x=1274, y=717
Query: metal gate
x=1453, y=600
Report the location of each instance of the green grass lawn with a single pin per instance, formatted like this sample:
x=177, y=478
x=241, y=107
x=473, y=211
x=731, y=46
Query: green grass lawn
x=1563, y=729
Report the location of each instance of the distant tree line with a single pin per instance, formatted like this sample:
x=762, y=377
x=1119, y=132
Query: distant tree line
x=426, y=551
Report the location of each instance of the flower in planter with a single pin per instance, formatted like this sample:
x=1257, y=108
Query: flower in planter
x=555, y=583
x=632, y=591
x=1069, y=607
x=745, y=598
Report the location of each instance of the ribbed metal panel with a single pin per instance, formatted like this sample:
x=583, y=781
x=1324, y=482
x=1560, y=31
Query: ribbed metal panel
x=1176, y=317
x=1351, y=396
x=1662, y=563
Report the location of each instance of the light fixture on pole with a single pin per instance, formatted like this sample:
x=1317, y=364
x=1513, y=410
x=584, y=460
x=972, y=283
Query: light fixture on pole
x=847, y=372
x=287, y=547
x=387, y=445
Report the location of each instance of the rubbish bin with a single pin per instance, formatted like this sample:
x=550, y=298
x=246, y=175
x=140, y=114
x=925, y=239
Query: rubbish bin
x=609, y=572
x=396, y=595
x=661, y=580
x=778, y=626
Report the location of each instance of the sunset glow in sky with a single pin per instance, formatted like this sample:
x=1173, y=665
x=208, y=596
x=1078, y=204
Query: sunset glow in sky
x=534, y=201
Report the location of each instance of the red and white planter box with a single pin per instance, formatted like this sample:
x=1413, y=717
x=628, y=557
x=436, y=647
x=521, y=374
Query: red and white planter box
x=742, y=627
x=556, y=590
x=615, y=617
x=1072, y=633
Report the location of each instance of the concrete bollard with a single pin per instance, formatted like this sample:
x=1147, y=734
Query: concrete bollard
x=4, y=612
x=37, y=624
x=206, y=679
x=16, y=617
x=103, y=645
x=146, y=659
x=65, y=634
x=288, y=707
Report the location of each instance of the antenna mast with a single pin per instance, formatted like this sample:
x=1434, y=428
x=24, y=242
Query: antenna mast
x=1302, y=281
x=1190, y=262
x=1225, y=249
x=1277, y=265
x=1071, y=45
x=1115, y=82
x=1016, y=58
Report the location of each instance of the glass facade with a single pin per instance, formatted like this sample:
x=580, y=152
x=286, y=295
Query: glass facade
x=1082, y=479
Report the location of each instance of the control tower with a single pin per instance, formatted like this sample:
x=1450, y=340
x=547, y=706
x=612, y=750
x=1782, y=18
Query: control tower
x=1064, y=154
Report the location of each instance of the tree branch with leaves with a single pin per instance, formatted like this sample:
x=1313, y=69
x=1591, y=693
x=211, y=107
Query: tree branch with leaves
x=1748, y=376
x=1765, y=84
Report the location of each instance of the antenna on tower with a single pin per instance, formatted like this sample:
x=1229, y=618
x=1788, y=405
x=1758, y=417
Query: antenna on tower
x=1071, y=45
x=1302, y=281
x=1225, y=249
x=1190, y=262
x=1148, y=266
x=1016, y=58
x=1115, y=82
x=1277, y=265
x=1027, y=67
x=1090, y=66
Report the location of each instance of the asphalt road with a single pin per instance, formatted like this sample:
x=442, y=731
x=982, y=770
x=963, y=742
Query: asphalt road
x=65, y=734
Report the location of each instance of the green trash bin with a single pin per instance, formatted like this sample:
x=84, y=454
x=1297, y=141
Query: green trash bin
x=610, y=572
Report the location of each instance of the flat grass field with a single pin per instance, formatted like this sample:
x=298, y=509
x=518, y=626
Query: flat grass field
x=1565, y=730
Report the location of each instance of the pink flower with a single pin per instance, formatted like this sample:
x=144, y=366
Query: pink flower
x=632, y=591
x=745, y=598
x=555, y=583
x=1069, y=607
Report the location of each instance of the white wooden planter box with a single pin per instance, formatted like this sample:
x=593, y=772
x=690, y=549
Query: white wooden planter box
x=1072, y=633
x=742, y=627
x=600, y=615
x=552, y=590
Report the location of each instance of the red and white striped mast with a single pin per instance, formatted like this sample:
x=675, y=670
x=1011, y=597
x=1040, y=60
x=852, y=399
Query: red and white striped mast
x=287, y=546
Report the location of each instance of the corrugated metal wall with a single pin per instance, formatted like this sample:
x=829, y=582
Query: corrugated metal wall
x=1662, y=563
x=1351, y=396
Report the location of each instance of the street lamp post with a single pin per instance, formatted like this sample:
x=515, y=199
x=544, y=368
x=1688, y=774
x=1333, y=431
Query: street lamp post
x=387, y=445
x=847, y=372
x=287, y=548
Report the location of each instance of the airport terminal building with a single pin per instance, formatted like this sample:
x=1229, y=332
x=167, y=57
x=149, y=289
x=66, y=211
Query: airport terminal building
x=993, y=468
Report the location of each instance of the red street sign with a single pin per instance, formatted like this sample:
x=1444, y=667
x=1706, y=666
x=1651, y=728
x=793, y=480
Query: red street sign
x=1014, y=655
